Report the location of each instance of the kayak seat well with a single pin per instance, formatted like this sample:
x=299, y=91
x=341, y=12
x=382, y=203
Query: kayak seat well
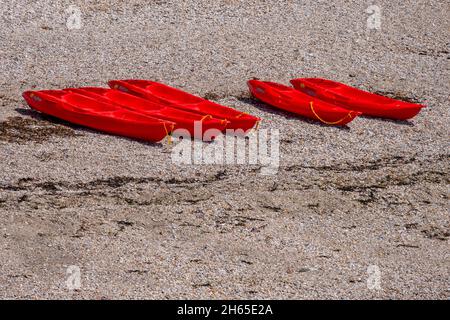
x=131, y=101
x=86, y=103
x=277, y=90
x=105, y=109
x=173, y=95
x=278, y=86
x=324, y=83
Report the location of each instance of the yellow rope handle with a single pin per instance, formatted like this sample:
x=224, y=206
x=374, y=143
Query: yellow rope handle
x=208, y=116
x=241, y=114
x=257, y=125
x=168, y=134
x=327, y=122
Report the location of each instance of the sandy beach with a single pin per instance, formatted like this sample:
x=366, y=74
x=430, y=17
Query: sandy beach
x=348, y=207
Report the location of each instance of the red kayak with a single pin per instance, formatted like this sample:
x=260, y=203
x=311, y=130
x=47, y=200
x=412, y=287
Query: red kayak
x=182, y=119
x=161, y=93
x=289, y=99
x=98, y=115
x=348, y=97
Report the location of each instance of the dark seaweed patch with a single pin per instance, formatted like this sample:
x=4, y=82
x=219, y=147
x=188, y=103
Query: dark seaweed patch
x=22, y=130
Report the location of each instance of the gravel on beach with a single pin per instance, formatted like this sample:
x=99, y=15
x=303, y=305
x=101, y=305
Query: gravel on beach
x=359, y=212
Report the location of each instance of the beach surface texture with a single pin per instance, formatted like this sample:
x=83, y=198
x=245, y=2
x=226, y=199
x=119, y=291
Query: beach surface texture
x=359, y=212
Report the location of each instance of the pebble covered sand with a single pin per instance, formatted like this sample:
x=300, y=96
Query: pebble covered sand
x=359, y=213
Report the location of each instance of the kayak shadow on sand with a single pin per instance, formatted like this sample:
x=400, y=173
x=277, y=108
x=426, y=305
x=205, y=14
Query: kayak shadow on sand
x=43, y=117
x=286, y=114
x=399, y=122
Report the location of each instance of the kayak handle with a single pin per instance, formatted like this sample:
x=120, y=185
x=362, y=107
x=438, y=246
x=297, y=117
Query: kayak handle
x=327, y=122
x=206, y=117
x=168, y=133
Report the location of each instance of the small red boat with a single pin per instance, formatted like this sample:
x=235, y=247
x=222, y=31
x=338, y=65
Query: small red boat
x=182, y=119
x=289, y=99
x=85, y=111
x=161, y=93
x=351, y=98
